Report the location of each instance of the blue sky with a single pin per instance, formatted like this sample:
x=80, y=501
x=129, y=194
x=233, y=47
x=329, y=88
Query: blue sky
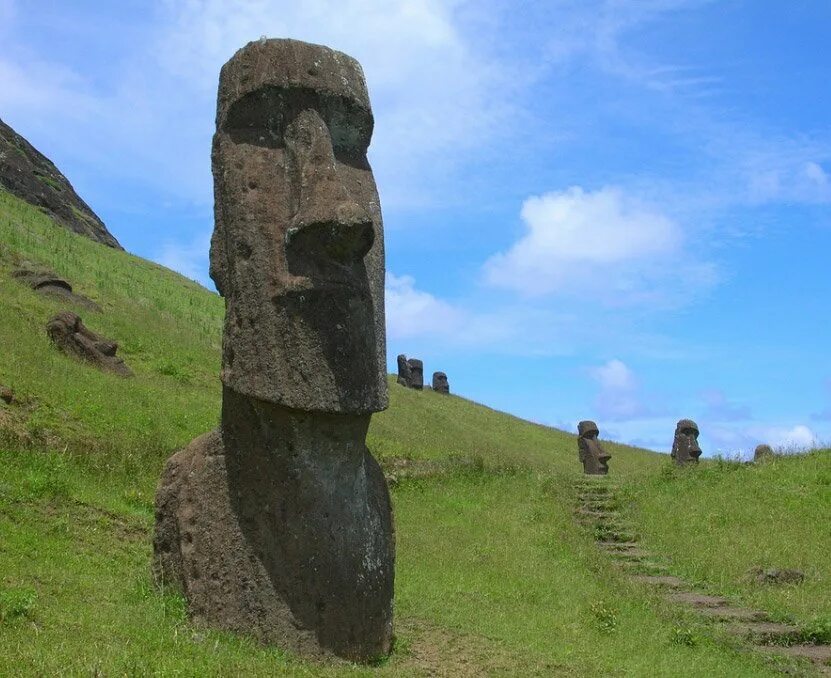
x=602, y=209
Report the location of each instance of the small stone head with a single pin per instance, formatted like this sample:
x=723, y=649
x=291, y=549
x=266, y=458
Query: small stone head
x=594, y=458
x=297, y=249
x=416, y=373
x=68, y=332
x=440, y=384
x=685, y=449
x=763, y=452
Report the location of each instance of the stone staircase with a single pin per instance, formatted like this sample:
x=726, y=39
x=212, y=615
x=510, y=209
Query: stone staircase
x=597, y=510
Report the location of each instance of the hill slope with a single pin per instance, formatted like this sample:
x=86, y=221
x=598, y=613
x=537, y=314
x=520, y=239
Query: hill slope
x=493, y=574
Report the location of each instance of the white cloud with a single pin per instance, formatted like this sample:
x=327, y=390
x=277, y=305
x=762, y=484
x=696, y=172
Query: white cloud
x=411, y=312
x=619, y=397
x=189, y=258
x=604, y=244
x=732, y=440
x=720, y=408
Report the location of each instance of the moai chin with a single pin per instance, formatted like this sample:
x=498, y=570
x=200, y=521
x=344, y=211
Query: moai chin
x=403, y=371
x=279, y=523
x=416, y=373
x=594, y=458
x=440, y=384
x=685, y=449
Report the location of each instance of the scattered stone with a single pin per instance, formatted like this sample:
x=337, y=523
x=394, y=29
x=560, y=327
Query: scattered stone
x=31, y=176
x=685, y=449
x=761, y=631
x=733, y=613
x=763, y=452
x=6, y=394
x=773, y=575
x=440, y=384
x=403, y=371
x=50, y=283
x=279, y=523
x=594, y=458
x=416, y=373
x=69, y=334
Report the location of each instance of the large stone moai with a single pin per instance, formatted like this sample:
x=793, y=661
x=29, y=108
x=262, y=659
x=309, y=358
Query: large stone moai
x=416, y=373
x=763, y=453
x=279, y=523
x=685, y=449
x=440, y=384
x=593, y=456
x=403, y=371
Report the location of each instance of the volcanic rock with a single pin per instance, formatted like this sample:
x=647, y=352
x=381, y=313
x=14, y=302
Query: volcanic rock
x=69, y=334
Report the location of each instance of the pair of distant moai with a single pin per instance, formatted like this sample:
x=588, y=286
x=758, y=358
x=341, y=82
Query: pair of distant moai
x=411, y=375
x=279, y=522
x=595, y=459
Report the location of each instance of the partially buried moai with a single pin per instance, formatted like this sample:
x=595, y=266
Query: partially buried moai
x=440, y=384
x=593, y=456
x=685, y=449
x=279, y=522
x=403, y=371
x=416, y=373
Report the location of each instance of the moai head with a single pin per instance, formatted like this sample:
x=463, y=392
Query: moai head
x=416, y=373
x=68, y=332
x=297, y=250
x=762, y=452
x=685, y=449
x=403, y=371
x=440, y=384
x=594, y=458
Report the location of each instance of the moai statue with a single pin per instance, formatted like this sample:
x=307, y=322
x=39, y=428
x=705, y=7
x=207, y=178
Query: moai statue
x=762, y=452
x=685, y=449
x=594, y=458
x=403, y=371
x=279, y=522
x=440, y=384
x=69, y=334
x=416, y=373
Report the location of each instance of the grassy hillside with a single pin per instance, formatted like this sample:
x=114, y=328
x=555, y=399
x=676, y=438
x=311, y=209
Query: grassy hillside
x=493, y=574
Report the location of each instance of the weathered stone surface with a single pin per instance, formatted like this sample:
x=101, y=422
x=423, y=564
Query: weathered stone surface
x=403, y=371
x=416, y=373
x=51, y=284
x=775, y=575
x=68, y=332
x=31, y=176
x=440, y=384
x=763, y=452
x=279, y=523
x=594, y=458
x=685, y=449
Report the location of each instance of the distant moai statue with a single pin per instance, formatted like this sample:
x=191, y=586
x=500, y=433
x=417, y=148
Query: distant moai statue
x=416, y=373
x=763, y=452
x=68, y=333
x=403, y=370
x=593, y=456
x=685, y=449
x=279, y=522
x=440, y=384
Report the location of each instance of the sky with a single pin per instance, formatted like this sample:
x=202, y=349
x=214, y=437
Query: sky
x=614, y=210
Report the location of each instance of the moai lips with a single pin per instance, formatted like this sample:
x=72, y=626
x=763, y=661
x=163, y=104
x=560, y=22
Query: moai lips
x=279, y=523
x=594, y=458
x=685, y=449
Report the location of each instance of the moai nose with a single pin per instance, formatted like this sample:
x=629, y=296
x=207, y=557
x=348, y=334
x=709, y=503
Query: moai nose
x=327, y=220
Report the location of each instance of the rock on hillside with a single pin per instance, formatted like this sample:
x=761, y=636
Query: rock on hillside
x=31, y=176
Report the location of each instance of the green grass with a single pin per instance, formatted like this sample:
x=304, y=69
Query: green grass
x=493, y=575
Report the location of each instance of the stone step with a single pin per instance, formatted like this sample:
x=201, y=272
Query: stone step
x=597, y=515
x=638, y=555
x=648, y=567
x=666, y=581
x=697, y=599
x=618, y=545
x=819, y=654
x=608, y=533
x=733, y=614
x=765, y=631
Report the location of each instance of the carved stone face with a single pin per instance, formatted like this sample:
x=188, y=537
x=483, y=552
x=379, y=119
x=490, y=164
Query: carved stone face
x=68, y=332
x=440, y=384
x=416, y=373
x=685, y=449
x=403, y=370
x=297, y=250
x=595, y=459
